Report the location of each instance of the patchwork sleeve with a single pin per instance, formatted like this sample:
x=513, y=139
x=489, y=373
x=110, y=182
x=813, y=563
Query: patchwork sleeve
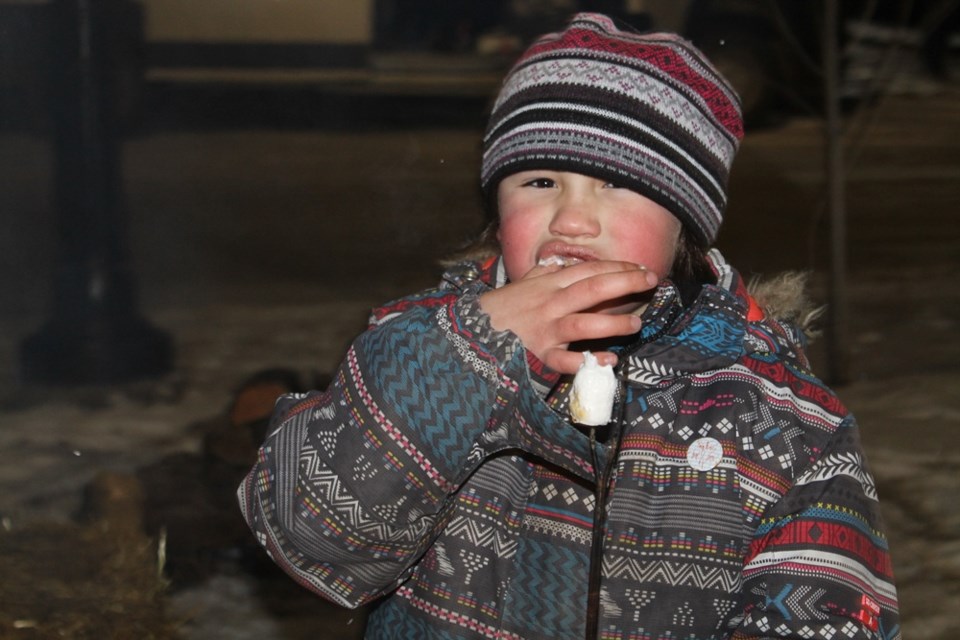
x=353, y=483
x=819, y=565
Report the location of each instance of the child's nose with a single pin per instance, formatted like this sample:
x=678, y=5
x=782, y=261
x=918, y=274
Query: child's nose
x=574, y=217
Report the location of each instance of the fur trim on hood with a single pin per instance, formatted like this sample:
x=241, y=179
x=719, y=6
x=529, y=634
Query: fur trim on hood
x=785, y=296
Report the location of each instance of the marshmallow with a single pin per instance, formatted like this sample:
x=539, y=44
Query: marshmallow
x=558, y=261
x=592, y=396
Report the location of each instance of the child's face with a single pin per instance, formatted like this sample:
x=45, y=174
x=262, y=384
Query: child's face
x=575, y=218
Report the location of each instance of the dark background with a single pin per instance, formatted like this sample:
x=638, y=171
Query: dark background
x=251, y=220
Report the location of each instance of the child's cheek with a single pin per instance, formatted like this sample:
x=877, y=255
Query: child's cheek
x=518, y=245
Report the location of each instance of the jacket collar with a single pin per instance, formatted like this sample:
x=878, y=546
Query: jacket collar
x=717, y=329
x=707, y=335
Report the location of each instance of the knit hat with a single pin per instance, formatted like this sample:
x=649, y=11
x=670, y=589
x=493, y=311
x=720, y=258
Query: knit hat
x=647, y=112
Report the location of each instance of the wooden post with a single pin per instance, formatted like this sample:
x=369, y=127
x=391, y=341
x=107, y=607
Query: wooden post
x=837, y=338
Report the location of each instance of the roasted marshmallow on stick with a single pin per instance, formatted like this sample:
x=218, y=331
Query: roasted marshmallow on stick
x=592, y=396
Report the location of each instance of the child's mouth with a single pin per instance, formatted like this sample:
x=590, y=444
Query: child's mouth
x=561, y=254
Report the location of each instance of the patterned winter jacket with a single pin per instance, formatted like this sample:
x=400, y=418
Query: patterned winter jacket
x=439, y=473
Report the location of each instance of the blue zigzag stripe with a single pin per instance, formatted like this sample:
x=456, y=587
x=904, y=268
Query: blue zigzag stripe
x=547, y=603
x=425, y=389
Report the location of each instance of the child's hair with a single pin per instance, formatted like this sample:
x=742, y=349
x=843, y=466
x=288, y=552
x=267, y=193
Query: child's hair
x=691, y=269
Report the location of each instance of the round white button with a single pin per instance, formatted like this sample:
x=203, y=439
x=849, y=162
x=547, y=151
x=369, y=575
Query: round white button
x=704, y=454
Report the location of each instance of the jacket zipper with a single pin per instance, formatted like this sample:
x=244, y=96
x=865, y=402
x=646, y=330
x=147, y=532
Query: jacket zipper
x=600, y=513
x=603, y=484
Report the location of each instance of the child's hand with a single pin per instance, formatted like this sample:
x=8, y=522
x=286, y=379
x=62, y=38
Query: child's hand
x=552, y=306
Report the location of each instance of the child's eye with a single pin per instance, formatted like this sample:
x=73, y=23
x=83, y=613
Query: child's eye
x=612, y=185
x=540, y=183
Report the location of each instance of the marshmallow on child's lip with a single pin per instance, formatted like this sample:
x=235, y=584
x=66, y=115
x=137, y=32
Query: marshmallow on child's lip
x=558, y=261
x=566, y=261
x=593, y=392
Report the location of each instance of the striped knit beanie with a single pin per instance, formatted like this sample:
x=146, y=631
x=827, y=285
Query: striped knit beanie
x=647, y=112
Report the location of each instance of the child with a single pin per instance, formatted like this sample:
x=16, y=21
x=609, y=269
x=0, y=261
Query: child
x=440, y=474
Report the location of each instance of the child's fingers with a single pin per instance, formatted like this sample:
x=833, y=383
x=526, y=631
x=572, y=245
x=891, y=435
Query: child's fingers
x=542, y=270
x=567, y=276
x=574, y=273
x=593, y=290
x=595, y=326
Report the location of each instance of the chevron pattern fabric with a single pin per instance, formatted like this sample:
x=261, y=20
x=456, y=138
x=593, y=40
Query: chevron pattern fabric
x=644, y=111
x=434, y=479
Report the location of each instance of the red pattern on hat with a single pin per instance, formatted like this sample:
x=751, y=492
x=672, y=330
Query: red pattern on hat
x=662, y=56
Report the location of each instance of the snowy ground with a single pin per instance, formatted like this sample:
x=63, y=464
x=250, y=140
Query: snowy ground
x=258, y=248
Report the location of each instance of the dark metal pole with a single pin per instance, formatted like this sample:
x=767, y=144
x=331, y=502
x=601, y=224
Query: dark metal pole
x=95, y=334
x=837, y=341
